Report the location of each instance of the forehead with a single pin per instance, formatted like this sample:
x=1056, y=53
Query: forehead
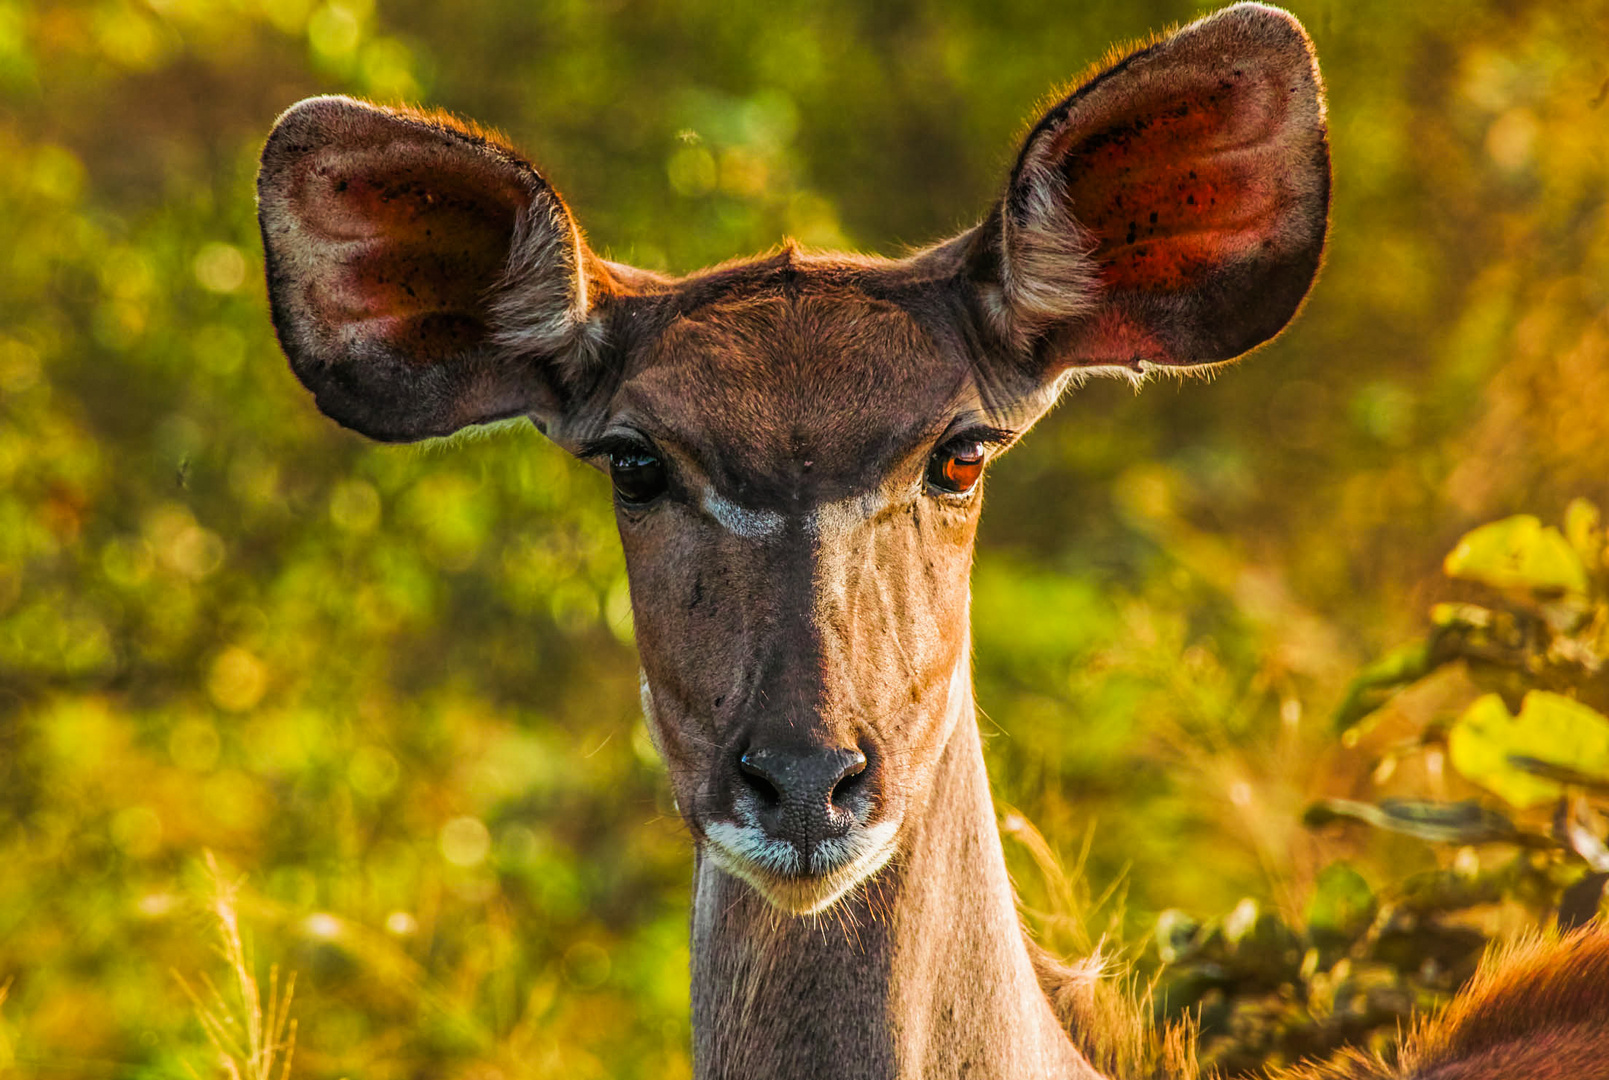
x=776, y=388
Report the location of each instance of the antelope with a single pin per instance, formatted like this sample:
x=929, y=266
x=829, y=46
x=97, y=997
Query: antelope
x=796, y=443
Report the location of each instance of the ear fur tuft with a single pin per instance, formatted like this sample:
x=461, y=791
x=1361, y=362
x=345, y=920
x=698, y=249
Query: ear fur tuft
x=531, y=317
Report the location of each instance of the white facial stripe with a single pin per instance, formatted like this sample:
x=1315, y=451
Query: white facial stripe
x=650, y=714
x=840, y=516
x=828, y=519
x=741, y=521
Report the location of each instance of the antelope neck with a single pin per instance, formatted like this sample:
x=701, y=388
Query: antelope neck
x=922, y=972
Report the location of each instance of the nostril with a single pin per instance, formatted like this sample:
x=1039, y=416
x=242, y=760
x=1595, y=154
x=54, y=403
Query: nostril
x=850, y=779
x=815, y=782
x=759, y=781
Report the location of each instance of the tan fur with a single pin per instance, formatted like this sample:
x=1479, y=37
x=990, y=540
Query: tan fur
x=1113, y=1021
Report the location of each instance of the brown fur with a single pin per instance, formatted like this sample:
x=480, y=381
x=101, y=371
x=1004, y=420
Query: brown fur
x=799, y=584
x=1537, y=1010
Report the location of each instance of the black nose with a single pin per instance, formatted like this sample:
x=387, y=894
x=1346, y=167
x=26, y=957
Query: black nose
x=805, y=794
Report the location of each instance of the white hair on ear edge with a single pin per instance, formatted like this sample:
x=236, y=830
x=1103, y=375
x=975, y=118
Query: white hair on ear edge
x=1047, y=274
x=541, y=305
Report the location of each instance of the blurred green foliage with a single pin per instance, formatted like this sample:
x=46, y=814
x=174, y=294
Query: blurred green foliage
x=1270, y=989
x=394, y=690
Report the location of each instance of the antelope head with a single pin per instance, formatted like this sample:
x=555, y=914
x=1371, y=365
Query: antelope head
x=796, y=441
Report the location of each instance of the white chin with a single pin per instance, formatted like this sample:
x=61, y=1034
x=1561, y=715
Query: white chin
x=776, y=872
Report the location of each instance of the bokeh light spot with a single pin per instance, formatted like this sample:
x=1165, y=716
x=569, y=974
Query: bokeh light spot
x=220, y=268
x=465, y=842
x=355, y=506
x=237, y=680
x=586, y=965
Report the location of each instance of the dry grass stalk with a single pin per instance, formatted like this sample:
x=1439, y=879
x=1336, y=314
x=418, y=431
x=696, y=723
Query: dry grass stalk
x=258, y=1034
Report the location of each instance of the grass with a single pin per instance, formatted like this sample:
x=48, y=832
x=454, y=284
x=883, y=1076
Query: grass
x=252, y=1032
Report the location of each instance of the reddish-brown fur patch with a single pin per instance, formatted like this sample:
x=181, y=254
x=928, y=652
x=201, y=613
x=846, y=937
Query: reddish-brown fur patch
x=1537, y=1010
x=416, y=249
x=1177, y=188
x=1195, y=171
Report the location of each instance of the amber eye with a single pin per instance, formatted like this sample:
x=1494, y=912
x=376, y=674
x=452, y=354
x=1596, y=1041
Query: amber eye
x=638, y=475
x=956, y=467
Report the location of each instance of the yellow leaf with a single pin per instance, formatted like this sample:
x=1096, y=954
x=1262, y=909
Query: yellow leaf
x=1550, y=728
x=1517, y=552
x=1583, y=525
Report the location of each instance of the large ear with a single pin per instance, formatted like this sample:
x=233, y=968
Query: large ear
x=423, y=276
x=1172, y=210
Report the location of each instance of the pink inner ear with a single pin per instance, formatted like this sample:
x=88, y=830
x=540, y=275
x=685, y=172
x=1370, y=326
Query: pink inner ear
x=409, y=253
x=1182, y=182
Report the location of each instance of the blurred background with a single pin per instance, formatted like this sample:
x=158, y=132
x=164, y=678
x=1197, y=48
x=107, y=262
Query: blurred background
x=394, y=689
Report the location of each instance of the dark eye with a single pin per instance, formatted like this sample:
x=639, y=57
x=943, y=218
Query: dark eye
x=639, y=476
x=956, y=467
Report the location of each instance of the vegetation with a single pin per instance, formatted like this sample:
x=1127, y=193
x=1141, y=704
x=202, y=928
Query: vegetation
x=393, y=688
x=1358, y=962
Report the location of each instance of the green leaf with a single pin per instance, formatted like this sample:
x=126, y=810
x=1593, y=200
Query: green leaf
x=1342, y=903
x=1462, y=616
x=1550, y=729
x=1367, y=691
x=1517, y=552
x=1434, y=891
x=1446, y=823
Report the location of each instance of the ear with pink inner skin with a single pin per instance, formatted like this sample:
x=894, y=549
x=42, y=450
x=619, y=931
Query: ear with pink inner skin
x=423, y=276
x=1171, y=212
